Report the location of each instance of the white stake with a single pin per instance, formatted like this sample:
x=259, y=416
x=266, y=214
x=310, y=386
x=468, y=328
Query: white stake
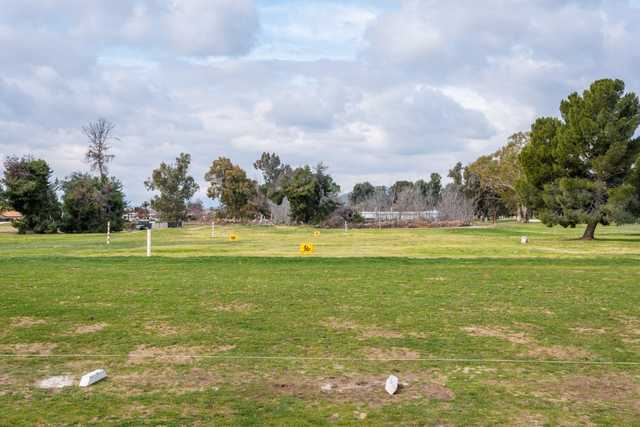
x=346, y=228
x=148, y=242
x=213, y=229
x=108, y=232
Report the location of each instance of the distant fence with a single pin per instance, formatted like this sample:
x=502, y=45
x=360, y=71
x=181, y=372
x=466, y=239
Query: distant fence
x=400, y=216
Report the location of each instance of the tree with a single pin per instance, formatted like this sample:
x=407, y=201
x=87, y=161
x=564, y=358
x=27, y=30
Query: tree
x=176, y=188
x=361, y=192
x=398, y=187
x=311, y=194
x=4, y=204
x=579, y=168
x=229, y=184
x=99, y=133
x=29, y=190
x=434, y=188
x=89, y=203
x=275, y=175
x=455, y=174
x=500, y=173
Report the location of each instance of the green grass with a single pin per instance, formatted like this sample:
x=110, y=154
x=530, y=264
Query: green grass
x=367, y=295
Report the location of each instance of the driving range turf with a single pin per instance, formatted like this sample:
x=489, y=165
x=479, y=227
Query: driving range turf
x=480, y=329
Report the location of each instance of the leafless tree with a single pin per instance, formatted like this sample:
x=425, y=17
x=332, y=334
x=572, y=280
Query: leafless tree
x=99, y=133
x=454, y=206
x=280, y=214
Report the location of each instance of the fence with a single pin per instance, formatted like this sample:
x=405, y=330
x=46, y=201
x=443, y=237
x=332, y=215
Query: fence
x=400, y=216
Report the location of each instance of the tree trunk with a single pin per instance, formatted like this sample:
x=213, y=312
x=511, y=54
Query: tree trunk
x=589, y=232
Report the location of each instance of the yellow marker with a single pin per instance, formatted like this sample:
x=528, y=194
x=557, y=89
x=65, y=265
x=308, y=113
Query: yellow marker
x=233, y=237
x=306, y=248
x=316, y=233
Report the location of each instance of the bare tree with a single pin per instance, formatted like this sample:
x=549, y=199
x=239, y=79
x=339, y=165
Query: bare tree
x=99, y=134
x=454, y=206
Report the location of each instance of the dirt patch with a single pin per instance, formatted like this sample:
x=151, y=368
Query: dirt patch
x=40, y=348
x=5, y=380
x=589, y=331
x=498, y=332
x=173, y=354
x=235, y=307
x=364, y=332
x=615, y=389
x=57, y=382
x=367, y=389
x=558, y=352
x=528, y=419
x=161, y=328
x=26, y=322
x=391, y=353
x=196, y=379
x=90, y=329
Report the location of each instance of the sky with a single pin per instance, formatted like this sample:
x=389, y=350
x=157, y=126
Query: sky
x=378, y=90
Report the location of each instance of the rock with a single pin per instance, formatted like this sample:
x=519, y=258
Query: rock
x=326, y=387
x=524, y=240
x=391, y=386
x=92, y=377
x=56, y=382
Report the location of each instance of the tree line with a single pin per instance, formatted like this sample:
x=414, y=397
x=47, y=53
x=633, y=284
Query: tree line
x=580, y=168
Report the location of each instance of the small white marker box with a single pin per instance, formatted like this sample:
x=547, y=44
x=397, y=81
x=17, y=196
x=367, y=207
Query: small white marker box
x=92, y=377
x=391, y=386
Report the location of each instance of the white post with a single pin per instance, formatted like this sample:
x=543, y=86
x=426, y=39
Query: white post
x=148, y=242
x=108, y=232
x=346, y=228
x=213, y=229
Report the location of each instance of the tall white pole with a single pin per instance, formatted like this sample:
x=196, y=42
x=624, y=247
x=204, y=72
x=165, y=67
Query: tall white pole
x=346, y=228
x=108, y=232
x=213, y=229
x=148, y=242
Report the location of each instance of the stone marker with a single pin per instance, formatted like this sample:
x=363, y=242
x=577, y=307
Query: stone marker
x=56, y=382
x=391, y=386
x=524, y=240
x=92, y=377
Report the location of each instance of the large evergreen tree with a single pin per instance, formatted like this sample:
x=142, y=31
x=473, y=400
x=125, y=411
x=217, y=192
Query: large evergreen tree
x=176, y=188
x=230, y=185
x=312, y=194
x=582, y=168
x=31, y=191
x=90, y=202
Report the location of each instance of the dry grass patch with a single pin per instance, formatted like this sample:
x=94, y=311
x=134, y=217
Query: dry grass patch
x=588, y=331
x=355, y=388
x=173, y=354
x=166, y=379
x=364, y=332
x=161, y=328
x=90, y=329
x=26, y=322
x=38, y=348
x=391, y=353
x=235, y=307
x=558, y=352
x=499, y=332
x=612, y=389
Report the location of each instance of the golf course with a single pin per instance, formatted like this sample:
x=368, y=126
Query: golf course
x=479, y=328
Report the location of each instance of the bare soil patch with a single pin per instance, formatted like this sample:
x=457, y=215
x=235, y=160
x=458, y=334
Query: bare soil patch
x=589, y=331
x=364, y=332
x=26, y=322
x=618, y=389
x=558, y=352
x=195, y=379
x=90, y=329
x=161, y=328
x=173, y=354
x=498, y=332
x=236, y=307
x=366, y=388
x=40, y=348
x=391, y=353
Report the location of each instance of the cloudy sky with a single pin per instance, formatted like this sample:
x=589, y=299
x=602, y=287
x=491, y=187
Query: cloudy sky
x=379, y=90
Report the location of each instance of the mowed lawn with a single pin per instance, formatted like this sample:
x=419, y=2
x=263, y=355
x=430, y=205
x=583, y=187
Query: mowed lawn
x=480, y=329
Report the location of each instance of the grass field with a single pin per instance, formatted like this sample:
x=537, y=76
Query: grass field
x=480, y=329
